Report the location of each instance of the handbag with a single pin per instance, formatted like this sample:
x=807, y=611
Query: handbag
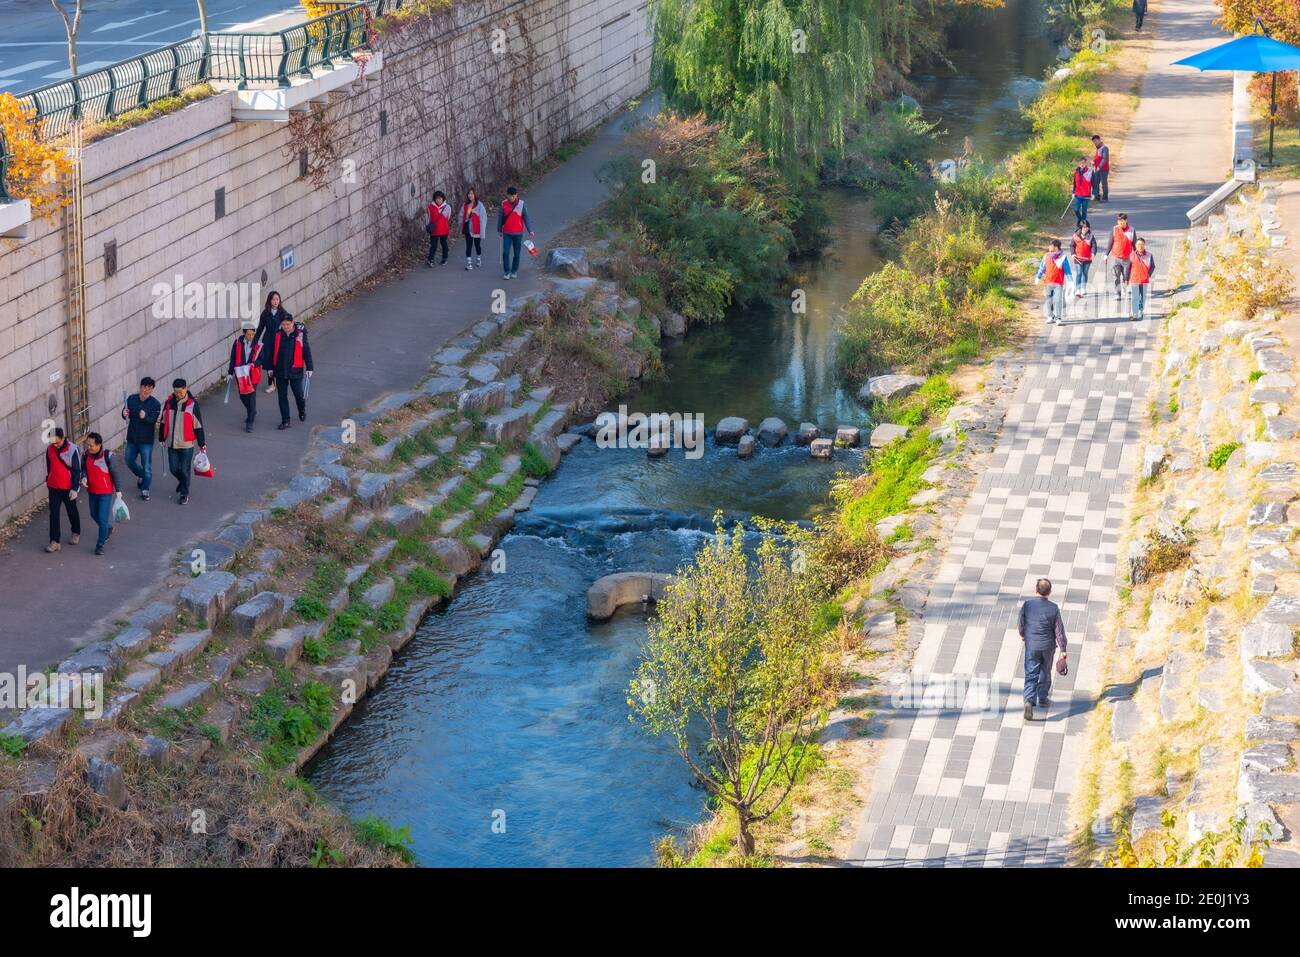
x=1062, y=666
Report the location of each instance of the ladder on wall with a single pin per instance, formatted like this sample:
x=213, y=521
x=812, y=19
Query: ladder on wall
x=74, y=257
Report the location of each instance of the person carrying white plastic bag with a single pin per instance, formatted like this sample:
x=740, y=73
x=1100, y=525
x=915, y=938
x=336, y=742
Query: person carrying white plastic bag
x=101, y=482
x=120, y=512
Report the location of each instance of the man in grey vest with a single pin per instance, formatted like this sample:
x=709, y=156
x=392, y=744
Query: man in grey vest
x=1042, y=631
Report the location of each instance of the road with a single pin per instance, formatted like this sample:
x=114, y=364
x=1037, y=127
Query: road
x=33, y=45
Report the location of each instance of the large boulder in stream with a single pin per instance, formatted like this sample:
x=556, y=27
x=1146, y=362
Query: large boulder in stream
x=624, y=588
x=883, y=388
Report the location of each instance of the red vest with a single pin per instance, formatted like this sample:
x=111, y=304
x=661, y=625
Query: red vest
x=1083, y=248
x=469, y=214
x=438, y=217
x=297, y=349
x=1082, y=185
x=60, y=465
x=1053, y=272
x=247, y=356
x=1099, y=164
x=187, y=417
x=1139, y=272
x=514, y=223
x=1123, y=244
x=98, y=479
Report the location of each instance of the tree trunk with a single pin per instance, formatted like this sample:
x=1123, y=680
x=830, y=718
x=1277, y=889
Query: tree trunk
x=745, y=838
x=72, y=54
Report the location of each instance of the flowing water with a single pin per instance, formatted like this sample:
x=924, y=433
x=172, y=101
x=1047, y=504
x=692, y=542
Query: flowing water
x=500, y=735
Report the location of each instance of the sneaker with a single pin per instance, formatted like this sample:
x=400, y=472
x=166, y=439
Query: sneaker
x=429, y=263
x=283, y=425
x=514, y=275
x=184, y=500
x=53, y=547
x=468, y=265
x=1029, y=711
x=248, y=426
x=302, y=416
x=99, y=549
x=505, y=276
x=144, y=494
x=75, y=539
x=478, y=260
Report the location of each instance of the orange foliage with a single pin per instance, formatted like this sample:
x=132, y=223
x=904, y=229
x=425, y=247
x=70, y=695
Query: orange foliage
x=37, y=169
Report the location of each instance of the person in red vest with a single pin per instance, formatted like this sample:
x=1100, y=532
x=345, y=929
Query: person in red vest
x=101, y=483
x=438, y=227
x=1100, y=170
x=1084, y=248
x=290, y=362
x=1081, y=184
x=1142, y=266
x=1119, y=250
x=1052, y=273
x=246, y=367
x=512, y=222
x=180, y=430
x=473, y=226
x=62, y=479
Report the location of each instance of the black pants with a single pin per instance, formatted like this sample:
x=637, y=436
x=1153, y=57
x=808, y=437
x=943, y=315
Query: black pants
x=1137, y=17
x=250, y=405
x=474, y=243
x=180, y=462
x=434, y=243
x=59, y=499
x=282, y=387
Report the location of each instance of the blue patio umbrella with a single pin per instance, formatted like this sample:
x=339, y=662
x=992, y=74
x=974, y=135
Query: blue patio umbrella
x=1256, y=53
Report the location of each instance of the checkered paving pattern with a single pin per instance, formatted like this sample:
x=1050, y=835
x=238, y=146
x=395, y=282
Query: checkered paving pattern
x=964, y=780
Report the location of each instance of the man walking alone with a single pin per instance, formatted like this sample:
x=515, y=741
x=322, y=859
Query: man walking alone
x=62, y=480
x=1139, y=13
x=512, y=221
x=1042, y=631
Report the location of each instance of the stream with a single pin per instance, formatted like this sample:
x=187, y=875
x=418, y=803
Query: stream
x=508, y=708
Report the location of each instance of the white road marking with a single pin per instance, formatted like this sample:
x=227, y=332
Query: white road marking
x=118, y=24
x=31, y=65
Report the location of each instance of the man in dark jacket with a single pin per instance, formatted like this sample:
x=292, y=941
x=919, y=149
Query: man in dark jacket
x=1139, y=12
x=289, y=362
x=141, y=413
x=1042, y=631
x=62, y=480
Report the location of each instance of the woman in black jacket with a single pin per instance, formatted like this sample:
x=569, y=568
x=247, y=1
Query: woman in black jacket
x=272, y=316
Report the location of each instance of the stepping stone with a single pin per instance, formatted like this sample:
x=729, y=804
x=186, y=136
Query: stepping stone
x=821, y=449
x=745, y=447
x=36, y=724
x=729, y=430
x=1265, y=640
x=771, y=432
x=379, y=593
x=883, y=435
x=189, y=646
x=1260, y=728
x=807, y=432
x=133, y=642
x=848, y=437
x=302, y=488
x=1125, y=719
x=1279, y=472
x=285, y=646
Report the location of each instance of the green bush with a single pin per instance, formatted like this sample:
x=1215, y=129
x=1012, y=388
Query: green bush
x=1219, y=457
x=379, y=833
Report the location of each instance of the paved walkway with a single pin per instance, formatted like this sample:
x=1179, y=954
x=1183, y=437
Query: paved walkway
x=381, y=341
x=980, y=786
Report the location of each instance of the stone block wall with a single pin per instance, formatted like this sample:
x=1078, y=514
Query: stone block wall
x=476, y=94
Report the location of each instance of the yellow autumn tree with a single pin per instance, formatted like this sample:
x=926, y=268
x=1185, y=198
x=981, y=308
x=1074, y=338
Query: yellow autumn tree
x=36, y=169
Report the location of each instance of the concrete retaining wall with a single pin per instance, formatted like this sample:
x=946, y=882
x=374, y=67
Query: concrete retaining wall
x=478, y=93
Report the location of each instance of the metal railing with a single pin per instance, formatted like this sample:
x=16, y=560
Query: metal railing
x=245, y=58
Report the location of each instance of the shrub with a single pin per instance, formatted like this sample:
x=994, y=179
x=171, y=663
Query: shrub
x=378, y=832
x=1219, y=457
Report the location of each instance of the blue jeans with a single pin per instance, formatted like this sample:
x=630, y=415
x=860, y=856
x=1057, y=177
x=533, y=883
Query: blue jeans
x=1081, y=268
x=511, y=241
x=144, y=469
x=1080, y=210
x=1038, y=673
x=101, y=511
x=1138, y=292
x=1054, y=302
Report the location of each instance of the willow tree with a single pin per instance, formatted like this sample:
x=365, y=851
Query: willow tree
x=792, y=72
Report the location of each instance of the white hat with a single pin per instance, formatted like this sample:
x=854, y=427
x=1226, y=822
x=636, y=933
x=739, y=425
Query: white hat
x=247, y=324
